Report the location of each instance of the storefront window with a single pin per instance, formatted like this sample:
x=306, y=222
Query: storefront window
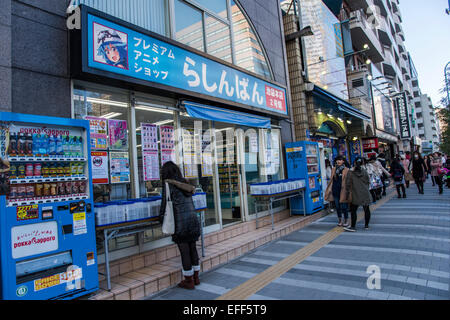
x=109, y=140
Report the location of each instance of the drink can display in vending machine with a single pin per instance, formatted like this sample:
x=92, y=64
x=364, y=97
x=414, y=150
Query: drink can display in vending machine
x=39, y=190
x=61, y=189
x=37, y=169
x=30, y=191
x=68, y=186
x=29, y=170
x=21, y=191
x=13, y=192
x=75, y=187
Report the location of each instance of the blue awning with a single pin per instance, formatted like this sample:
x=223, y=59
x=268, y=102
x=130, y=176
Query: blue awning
x=340, y=104
x=223, y=115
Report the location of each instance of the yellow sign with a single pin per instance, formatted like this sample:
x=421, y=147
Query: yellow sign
x=27, y=212
x=48, y=282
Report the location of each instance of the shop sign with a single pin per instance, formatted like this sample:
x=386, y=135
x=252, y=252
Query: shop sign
x=141, y=57
x=403, y=117
x=32, y=239
x=370, y=143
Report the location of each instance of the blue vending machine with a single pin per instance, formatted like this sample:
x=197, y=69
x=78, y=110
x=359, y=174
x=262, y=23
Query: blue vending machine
x=47, y=222
x=303, y=162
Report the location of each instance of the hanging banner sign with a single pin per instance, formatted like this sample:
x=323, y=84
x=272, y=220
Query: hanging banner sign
x=141, y=57
x=403, y=116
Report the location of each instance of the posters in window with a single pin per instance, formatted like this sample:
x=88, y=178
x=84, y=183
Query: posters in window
x=118, y=135
x=119, y=167
x=98, y=133
x=151, y=165
x=99, y=161
x=189, y=157
x=149, y=135
x=167, y=134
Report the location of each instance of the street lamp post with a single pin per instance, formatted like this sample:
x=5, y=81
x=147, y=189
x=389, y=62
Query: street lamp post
x=446, y=72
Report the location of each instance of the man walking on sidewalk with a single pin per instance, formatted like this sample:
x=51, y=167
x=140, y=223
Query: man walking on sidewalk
x=358, y=193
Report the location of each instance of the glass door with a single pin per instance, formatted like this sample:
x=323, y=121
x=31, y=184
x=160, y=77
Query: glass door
x=230, y=174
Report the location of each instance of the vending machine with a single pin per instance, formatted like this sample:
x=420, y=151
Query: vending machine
x=303, y=162
x=47, y=222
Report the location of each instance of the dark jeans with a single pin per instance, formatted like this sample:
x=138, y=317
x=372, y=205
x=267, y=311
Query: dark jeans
x=354, y=208
x=341, y=208
x=189, y=255
x=433, y=180
x=419, y=183
x=407, y=183
x=438, y=181
x=401, y=186
x=373, y=193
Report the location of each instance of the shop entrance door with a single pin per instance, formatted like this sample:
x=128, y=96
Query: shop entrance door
x=230, y=174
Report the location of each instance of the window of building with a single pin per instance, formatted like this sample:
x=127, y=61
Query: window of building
x=189, y=25
x=206, y=25
x=150, y=15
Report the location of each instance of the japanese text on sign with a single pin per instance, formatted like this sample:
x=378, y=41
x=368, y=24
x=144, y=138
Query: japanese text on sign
x=143, y=57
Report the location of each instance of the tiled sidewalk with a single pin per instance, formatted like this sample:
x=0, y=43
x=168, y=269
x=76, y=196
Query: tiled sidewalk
x=146, y=274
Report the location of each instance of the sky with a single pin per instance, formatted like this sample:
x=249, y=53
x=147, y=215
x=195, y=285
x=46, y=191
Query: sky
x=427, y=32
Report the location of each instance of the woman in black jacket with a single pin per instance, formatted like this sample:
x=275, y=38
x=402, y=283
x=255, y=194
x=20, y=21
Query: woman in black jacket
x=419, y=170
x=187, y=226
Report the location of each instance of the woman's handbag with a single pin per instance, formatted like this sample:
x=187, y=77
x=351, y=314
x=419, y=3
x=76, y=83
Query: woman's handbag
x=168, y=227
x=409, y=176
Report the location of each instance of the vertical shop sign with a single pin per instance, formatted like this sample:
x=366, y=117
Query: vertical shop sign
x=98, y=133
x=403, y=117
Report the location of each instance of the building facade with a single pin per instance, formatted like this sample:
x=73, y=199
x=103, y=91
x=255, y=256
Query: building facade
x=102, y=59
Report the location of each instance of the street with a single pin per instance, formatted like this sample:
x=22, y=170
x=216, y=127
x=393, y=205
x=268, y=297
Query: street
x=404, y=255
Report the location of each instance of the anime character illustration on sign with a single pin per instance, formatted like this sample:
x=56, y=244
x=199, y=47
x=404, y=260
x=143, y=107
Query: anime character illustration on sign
x=110, y=47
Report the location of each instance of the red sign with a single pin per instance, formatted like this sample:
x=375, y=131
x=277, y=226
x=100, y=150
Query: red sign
x=370, y=143
x=275, y=99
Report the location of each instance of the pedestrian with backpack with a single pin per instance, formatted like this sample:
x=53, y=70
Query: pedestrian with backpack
x=398, y=173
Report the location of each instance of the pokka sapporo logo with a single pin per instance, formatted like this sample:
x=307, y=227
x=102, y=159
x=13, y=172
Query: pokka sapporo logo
x=110, y=46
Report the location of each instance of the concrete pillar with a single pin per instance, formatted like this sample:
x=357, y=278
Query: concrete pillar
x=298, y=97
x=5, y=55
